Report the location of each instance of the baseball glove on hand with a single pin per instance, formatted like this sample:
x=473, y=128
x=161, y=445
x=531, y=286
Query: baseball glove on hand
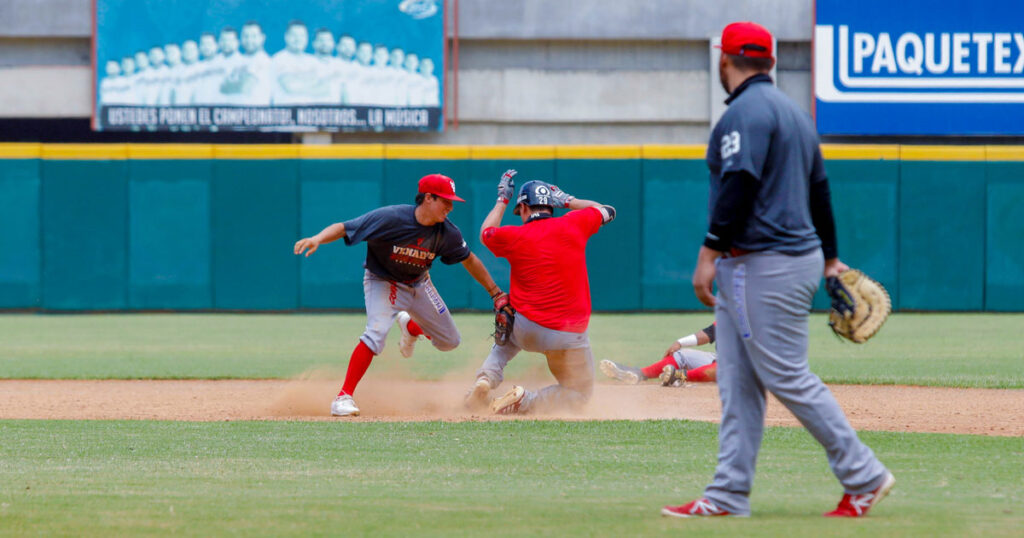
x=504, y=318
x=860, y=305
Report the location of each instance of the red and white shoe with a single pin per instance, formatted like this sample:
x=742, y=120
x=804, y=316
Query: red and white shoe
x=407, y=344
x=699, y=508
x=858, y=505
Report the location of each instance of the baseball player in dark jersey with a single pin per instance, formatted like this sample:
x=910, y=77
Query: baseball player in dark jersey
x=549, y=291
x=679, y=364
x=771, y=236
x=402, y=241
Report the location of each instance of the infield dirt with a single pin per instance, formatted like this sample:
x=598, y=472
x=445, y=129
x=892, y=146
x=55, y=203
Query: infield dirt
x=876, y=407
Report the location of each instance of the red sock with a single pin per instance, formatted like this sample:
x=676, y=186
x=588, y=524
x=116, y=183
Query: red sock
x=357, y=365
x=654, y=370
x=414, y=328
x=704, y=374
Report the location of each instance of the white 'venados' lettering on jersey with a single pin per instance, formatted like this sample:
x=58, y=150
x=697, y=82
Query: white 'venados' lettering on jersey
x=730, y=144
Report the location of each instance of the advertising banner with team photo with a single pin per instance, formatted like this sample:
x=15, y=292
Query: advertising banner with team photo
x=916, y=67
x=274, y=65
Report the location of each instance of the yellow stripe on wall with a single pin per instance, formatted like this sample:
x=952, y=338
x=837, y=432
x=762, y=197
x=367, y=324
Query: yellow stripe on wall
x=31, y=150
x=256, y=151
x=170, y=151
x=21, y=150
x=85, y=152
x=679, y=151
x=426, y=152
x=597, y=152
x=342, y=151
x=861, y=152
x=942, y=153
x=1004, y=153
x=511, y=152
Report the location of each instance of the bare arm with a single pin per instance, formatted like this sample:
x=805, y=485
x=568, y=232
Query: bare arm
x=577, y=203
x=331, y=233
x=493, y=218
x=476, y=268
x=704, y=275
x=698, y=338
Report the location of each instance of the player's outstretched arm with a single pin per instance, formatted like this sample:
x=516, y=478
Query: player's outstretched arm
x=493, y=219
x=577, y=203
x=698, y=338
x=506, y=190
x=310, y=244
x=476, y=268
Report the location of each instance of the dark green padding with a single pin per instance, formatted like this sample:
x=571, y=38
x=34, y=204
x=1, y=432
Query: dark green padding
x=20, y=253
x=169, y=234
x=942, y=235
x=1004, y=241
x=84, y=234
x=255, y=216
x=335, y=191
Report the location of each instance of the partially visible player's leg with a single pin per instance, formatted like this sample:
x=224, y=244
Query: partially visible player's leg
x=380, y=297
x=574, y=371
x=631, y=375
x=779, y=318
x=491, y=373
x=697, y=366
x=569, y=359
x=741, y=393
x=429, y=312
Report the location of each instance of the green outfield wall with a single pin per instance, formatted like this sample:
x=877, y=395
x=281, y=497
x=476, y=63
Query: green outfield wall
x=211, y=227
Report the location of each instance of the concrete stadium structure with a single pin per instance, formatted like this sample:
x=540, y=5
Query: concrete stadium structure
x=530, y=71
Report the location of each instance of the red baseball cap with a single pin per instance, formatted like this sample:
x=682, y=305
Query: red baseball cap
x=439, y=185
x=746, y=39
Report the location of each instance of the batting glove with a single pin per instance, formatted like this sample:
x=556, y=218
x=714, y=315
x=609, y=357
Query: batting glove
x=560, y=197
x=506, y=187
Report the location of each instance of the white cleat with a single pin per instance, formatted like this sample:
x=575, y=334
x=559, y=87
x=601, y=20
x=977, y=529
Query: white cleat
x=344, y=406
x=479, y=395
x=509, y=403
x=407, y=344
x=629, y=375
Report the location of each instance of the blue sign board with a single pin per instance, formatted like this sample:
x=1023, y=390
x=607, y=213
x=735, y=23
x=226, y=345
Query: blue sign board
x=280, y=65
x=915, y=67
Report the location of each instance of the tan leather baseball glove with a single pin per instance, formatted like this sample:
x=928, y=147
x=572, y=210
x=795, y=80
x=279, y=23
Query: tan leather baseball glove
x=860, y=305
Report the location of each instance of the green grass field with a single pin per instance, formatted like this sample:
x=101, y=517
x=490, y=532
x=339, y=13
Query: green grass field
x=519, y=478
x=471, y=479
x=966, y=350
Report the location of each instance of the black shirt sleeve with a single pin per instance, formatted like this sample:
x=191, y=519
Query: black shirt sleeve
x=733, y=207
x=710, y=331
x=453, y=247
x=821, y=216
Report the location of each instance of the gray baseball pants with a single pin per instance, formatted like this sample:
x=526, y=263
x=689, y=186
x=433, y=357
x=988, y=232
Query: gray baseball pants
x=690, y=359
x=385, y=299
x=569, y=359
x=764, y=299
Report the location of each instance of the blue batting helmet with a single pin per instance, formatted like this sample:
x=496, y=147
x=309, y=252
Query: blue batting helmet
x=534, y=193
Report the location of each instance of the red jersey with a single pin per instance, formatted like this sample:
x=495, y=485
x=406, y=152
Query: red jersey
x=549, y=267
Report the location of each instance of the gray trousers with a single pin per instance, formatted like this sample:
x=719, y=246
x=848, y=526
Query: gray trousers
x=764, y=299
x=569, y=359
x=691, y=359
x=385, y=299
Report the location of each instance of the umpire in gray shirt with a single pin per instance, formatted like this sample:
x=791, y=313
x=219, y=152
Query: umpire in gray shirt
x=770, y=238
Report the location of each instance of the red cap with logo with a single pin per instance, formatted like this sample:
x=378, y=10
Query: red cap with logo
x=439, y=185
x=746, y=39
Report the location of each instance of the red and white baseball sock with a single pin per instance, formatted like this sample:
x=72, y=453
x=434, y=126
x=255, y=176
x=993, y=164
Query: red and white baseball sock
x=652, y=371
x=416, y=330
x=704, y=374
x=357, y=366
